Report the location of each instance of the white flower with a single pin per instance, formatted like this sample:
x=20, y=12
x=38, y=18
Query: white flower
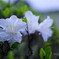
x=32, y=21
x=45, y=28
x=11, y=28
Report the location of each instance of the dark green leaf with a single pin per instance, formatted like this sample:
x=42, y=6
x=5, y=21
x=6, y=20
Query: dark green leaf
x=14, y=46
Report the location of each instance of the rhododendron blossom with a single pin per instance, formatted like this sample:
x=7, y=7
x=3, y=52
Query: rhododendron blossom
x=44, y=27
x=32, y=22
x=11, y=28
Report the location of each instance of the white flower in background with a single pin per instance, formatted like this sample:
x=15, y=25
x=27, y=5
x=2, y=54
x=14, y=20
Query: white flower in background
x=32, y=21
x=44, y=5
x=11, y=28
x=45, y=28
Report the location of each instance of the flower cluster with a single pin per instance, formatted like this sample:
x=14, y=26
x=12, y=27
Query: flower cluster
x=11, y=28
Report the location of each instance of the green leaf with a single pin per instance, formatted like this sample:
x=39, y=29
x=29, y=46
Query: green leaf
x=48, y=53
x=47, y=44
x=25, y=8
x=25, y=20
x=1, y=42
x=6, y=12
x=10, y=55
x=42, y=53
x=14, y=46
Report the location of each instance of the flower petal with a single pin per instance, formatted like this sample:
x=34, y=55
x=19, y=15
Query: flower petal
x=3, y=23
x=31, y=17
x=1, y=30
x=47, y=22
x=12, y=19
x=20, y=25
x=46, y=34
x=4, y=36
x=18, y=38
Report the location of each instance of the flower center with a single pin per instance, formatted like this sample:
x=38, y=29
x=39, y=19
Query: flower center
x=11, y=29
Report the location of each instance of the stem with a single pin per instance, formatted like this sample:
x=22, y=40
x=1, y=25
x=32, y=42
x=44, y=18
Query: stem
x=29, y=43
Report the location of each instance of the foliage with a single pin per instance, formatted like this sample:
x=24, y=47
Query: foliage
x=47, y=53
x=10, y=55
x=42, y=53
x=6, y=12
x=25, y=20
